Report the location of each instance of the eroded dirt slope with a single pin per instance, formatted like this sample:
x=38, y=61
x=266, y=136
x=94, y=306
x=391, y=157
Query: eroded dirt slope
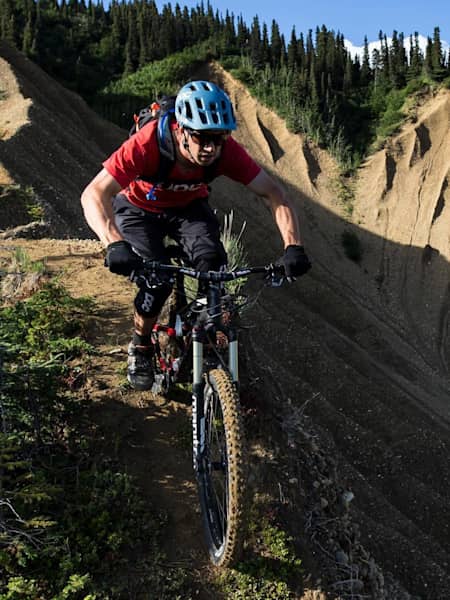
x=361, y=348
x=370, y=339
x=49, y=139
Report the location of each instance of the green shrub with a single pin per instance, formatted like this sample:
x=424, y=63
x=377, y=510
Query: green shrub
x=230, y=62
x=272, y=573
x=418, y=84
x=73, y=525
x=237, y=256
x=352, y=246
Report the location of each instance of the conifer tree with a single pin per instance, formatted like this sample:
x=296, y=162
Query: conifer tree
x=131, y=45
x=243, y=34
x=292, y=51
x=228, y=36
x=277, y=49
x=415, y=57
x=397, y=61
x=437, y=64
x=264, y=51
x=321, y=49
x=428, y=61
x=309, y=52
x=365, y=75
x=384, y=73
x=347, y=83
x=312, y=83
x=167, y=31
x=143, y=36
x=28, y=35
x=377, y=66
x=255, y=45
x=7, y=21
x=301, y=53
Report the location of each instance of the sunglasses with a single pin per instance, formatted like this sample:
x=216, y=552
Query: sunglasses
x=205, y=138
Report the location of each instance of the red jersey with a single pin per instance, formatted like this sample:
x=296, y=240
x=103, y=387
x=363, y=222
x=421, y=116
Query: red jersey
x=139, y=157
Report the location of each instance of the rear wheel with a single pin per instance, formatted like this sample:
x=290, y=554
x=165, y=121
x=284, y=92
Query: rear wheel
x=221, y=476
x=168, y=349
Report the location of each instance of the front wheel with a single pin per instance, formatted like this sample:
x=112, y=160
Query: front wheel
x=221, y=470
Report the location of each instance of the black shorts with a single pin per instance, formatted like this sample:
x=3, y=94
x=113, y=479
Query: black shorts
x=195, y=228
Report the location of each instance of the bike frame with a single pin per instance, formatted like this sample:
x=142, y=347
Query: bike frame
x=203, y=332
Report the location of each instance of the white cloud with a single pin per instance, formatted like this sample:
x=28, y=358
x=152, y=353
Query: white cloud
x=359, y=50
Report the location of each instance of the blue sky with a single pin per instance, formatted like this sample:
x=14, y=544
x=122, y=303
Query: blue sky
x=353, y=19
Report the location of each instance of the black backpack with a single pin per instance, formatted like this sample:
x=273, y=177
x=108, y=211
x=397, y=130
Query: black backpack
x=158, y=108
x=165, y=115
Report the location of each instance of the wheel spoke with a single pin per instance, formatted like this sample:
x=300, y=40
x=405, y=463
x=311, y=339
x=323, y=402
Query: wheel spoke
x=221, y=478
x=217, y=461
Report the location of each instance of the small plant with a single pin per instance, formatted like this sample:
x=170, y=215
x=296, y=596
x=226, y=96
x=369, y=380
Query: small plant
x=237, y=256
x=35, y=211
x=271, y=573
x=22, y=262
x=352, y=246
x=344, y=189
x=22, y=277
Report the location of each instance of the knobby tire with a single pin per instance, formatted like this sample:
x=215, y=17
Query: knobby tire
x=221, y=473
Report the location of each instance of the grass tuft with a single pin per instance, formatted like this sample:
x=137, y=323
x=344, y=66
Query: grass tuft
x=352, y=246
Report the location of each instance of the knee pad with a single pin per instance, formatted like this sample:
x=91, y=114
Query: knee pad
x=149, y=301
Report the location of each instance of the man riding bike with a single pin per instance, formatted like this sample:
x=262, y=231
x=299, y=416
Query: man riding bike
x=132, y=212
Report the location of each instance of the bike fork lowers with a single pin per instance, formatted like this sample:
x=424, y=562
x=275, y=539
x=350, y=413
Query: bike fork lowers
x=198, y=387
x=198, y=384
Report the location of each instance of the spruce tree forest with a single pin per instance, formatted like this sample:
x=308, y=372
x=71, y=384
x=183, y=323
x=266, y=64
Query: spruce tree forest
x=120, y=57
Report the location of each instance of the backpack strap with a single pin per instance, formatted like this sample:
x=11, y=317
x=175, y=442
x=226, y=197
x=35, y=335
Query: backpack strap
x=167, y=158
x=164, y=135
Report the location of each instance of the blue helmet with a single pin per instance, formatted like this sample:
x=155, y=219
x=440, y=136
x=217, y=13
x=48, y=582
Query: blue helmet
x=203, y=105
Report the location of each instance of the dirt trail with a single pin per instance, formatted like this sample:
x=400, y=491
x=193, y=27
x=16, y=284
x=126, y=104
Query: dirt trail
x=149, y=436
x=350, y=364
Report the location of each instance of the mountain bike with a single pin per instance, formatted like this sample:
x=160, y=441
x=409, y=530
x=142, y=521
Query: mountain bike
x=201, y=335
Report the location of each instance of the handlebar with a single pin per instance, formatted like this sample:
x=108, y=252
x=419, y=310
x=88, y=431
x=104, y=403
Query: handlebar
x=152, y=271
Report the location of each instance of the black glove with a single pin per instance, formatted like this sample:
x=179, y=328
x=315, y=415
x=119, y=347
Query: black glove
x=295, y=261
x=121, y=259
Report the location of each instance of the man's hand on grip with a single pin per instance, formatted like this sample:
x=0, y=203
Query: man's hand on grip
x=121, y=259
x=295, y=261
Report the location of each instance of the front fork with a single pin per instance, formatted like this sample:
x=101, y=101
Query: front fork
x=198, y=388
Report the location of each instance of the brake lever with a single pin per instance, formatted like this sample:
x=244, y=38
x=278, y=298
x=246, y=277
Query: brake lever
x=276, y=281
x=149, y=280
x=275, y=276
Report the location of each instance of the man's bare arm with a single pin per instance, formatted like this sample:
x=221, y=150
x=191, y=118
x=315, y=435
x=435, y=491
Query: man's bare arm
x=96, y=201
x=283, y=213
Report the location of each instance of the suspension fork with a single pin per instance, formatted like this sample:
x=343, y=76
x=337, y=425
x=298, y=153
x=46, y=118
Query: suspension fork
x=198, y=387
x=214, y=295
x=233, y=355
